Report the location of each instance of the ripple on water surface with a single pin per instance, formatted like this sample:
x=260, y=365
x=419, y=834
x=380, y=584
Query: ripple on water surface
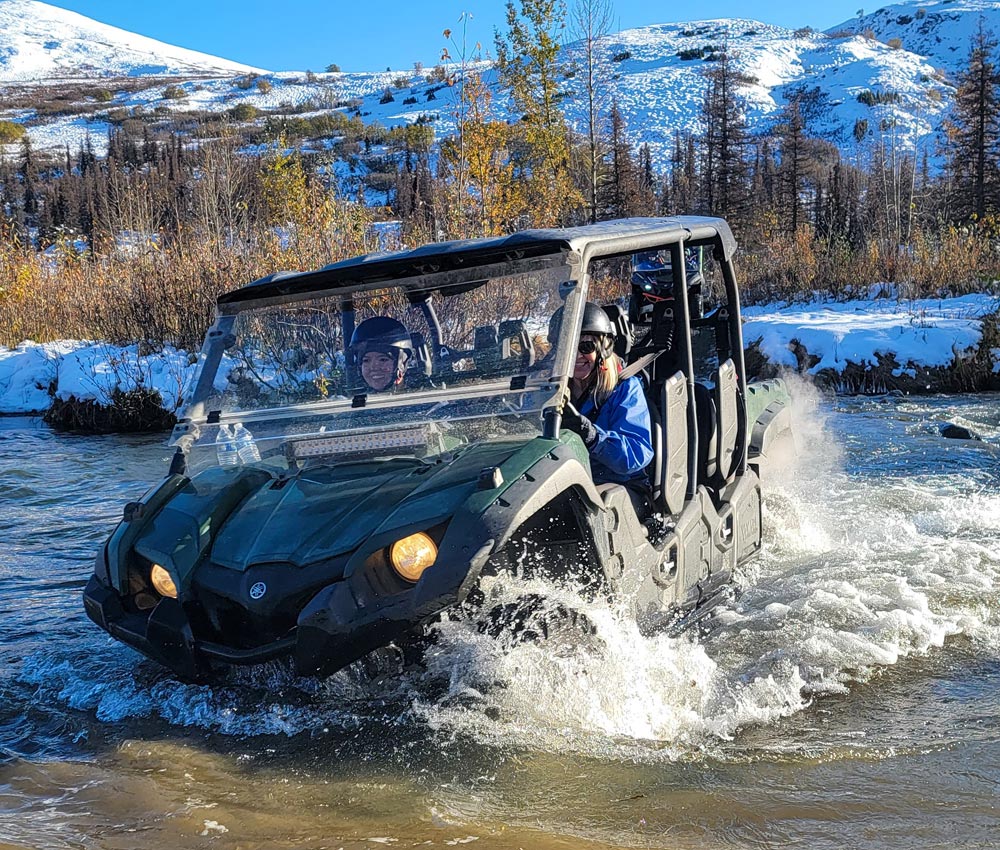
x=788, y=718
x=863, y=567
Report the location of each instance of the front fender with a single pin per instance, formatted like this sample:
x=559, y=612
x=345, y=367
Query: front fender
x=348, y=619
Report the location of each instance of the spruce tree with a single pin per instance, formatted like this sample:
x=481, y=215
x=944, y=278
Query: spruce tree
x=974, y=131
x=725, y=170
x=791, y=133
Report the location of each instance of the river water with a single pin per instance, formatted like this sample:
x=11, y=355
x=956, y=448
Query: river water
x=848, y=697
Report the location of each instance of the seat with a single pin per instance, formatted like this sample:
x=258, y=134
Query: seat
x=421, y=355
x=624, y=337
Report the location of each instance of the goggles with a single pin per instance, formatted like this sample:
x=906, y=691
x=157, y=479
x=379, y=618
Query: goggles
x=587, y=346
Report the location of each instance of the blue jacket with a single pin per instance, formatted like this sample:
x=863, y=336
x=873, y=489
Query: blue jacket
x=624, y=446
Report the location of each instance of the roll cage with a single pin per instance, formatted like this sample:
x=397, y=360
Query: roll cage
x=667, y=347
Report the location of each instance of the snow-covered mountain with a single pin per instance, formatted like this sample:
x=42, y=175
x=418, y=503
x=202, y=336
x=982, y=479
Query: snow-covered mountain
x=39, y=42
x=889, y=72
x=940, y=30
x=660, y=82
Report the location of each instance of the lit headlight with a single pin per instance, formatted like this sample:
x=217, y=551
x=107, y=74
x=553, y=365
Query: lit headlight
x=162, y=581
x=412, y=555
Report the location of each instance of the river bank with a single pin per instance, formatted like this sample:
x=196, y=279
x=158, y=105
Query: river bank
x=864, y=346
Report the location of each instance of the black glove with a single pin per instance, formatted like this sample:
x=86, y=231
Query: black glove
x=575, y=421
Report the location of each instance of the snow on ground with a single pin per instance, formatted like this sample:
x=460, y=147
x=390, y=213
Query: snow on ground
x=40, y=42
x=919, y=333
x=924, y=332
x=655, y=73
x=87, y=371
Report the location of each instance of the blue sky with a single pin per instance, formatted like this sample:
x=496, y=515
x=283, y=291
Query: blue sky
x=296, y=35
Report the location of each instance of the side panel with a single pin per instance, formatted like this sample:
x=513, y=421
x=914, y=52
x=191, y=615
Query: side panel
x=675, y=473
x=727, y=411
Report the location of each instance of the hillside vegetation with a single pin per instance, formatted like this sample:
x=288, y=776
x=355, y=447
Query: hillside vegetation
x=134, y=243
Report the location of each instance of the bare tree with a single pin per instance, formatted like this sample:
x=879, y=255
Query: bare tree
x=590, y=21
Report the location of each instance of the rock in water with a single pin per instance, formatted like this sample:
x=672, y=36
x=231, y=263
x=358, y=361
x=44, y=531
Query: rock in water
x=958, y=432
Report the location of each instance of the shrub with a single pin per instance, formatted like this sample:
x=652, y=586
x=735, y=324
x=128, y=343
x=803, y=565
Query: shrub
x=621, y=57
x=386, y=96
x=903, y=20
x=400, y=82
x=264, y=86
x=247, y=82
x=409, y=100
x=921, y=14
x=174, y=93
x=803, y=32
x=895, y=43
x=244, y=112
x=333, y=68
x=11, y=131
x=132, y=411
x=873, y=98
x=103, y=96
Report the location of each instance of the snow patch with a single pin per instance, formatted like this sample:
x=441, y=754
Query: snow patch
x=923, y=332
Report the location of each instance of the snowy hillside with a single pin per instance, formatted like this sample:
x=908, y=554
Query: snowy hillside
x=940, y=30
x=39, y=42
x=855, y=79
x=660, y=85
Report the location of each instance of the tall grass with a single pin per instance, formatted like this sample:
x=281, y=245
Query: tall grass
x=156, y=291
x=946, y=261
x=162, y=291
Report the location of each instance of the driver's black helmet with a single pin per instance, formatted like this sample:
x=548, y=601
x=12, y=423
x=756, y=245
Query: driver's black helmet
x=381, y=333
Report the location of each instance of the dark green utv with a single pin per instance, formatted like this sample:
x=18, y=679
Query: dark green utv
x=307, y=514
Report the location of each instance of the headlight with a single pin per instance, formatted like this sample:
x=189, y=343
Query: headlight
x=412, y=555
x=162, y=581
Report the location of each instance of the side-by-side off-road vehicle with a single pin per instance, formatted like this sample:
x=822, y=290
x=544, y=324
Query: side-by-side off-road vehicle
x=307, y=514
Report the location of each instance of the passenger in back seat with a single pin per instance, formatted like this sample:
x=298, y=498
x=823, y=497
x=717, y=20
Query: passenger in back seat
x=611, y=417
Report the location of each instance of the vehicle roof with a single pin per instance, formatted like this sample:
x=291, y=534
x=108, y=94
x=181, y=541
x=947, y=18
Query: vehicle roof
x=621, y=236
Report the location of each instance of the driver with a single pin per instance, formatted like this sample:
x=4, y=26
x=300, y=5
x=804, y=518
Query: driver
x=382, y=349
x=611, y=417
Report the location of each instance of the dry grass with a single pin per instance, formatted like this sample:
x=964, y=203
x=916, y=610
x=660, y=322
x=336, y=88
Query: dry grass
x=158, y=295
x=164, y=293
x=953, y=261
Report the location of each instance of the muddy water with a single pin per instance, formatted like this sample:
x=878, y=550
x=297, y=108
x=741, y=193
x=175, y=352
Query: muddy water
x=848, y=697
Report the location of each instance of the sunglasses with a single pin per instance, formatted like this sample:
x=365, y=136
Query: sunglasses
x=587, y=346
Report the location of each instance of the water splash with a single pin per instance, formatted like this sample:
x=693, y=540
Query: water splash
x=865, y=565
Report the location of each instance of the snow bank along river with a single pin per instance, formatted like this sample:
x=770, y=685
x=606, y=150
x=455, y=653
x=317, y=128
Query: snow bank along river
x=920, y=334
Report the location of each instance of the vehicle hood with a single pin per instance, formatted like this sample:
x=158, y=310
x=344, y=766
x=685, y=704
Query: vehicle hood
x=328, y=510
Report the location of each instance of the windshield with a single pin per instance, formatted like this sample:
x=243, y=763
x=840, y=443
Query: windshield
x=403, y=354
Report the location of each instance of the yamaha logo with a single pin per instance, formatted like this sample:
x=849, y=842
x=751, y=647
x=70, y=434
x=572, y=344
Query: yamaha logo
x=258, y=590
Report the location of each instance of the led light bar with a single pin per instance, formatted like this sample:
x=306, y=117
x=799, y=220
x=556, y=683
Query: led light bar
x=360, y=442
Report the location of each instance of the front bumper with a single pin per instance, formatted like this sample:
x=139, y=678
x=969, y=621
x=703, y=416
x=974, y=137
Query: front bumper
x=342, y=623
x=164, y=634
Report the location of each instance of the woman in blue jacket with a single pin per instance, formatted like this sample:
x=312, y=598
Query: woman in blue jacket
x=611, y=417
